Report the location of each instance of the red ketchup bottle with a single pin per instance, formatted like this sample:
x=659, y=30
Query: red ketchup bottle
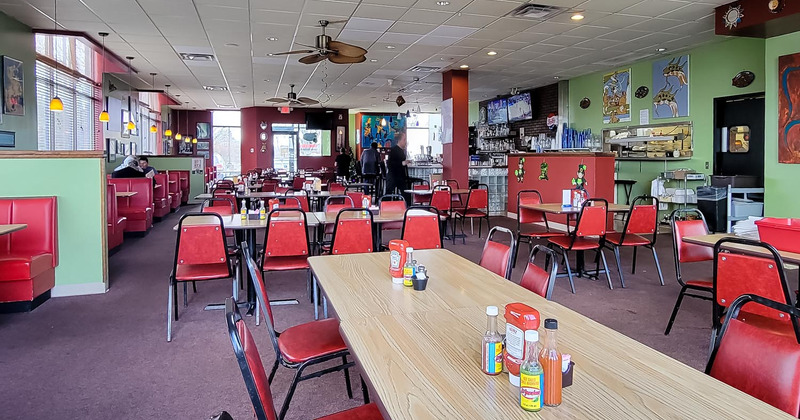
x=519, y=318
x=397, y=259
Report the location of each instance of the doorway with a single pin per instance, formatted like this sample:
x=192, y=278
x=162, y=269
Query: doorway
x=739, y=136
x=284, y=146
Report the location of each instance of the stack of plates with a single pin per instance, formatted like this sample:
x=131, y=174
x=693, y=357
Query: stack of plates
x=747, y=228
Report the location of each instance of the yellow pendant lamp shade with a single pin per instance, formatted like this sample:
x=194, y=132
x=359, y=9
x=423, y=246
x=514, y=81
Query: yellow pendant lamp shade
x=56, y=105
x=130, y=126
x=187, y=139
x=153, y=128
x=104, y=117
x=178, y=136
x=168, y=133
x=194, y=140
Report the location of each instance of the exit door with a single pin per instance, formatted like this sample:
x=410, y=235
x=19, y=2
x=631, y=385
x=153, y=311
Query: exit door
x=739, y=136
x=284, y=146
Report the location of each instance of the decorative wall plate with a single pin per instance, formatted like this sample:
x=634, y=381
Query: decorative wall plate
x=733, y=16
x=585, y=102
x=642, y=92
x=775, y=6
x=743, y=79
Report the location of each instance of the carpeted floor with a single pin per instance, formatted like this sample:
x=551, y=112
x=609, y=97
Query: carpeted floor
x=106, y=356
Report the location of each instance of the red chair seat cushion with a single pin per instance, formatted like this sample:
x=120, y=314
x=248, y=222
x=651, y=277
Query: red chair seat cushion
x=536, y=234
x=470, y=213
x=314, y=339
x=631, y=239
x=286, y=263
x=134, y=213
x=19, y=266
x=191, y=272
x=704, y=283
x=365, y=412
x=581, y=244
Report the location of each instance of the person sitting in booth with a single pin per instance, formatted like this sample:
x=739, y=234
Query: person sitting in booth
x=130, y=169
x=144, y=164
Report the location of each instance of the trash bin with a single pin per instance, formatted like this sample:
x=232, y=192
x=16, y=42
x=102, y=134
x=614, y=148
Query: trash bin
x=711, y=201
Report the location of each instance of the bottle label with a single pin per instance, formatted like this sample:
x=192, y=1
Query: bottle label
x=408, y=276
x=530, y=391
x=515, y=341
x=394, y=260
x=492, y=358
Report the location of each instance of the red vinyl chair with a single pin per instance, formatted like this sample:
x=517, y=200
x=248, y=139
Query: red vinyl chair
x=532, y=224
x=589, y=234
x=420, y=199
x=336, y=188
x=737, y=274
x=200, y=255
x=332, y=206
x=421, y=226
x=301, y=196
x=458, y=204
x=477, y=208
x=441, y=199
x=225, y=194
x=641, y=229
x=685, y=253
x=357, y=196
x=255, y=377
x=392, y=203
x=353, y=232
x=297, y=183
x=496, y=256
x=269, y=185
x=537, y=279
x=220, y=206
x=756, y=361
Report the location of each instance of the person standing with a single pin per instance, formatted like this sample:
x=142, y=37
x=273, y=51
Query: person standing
x=369, y=164
x=343, y=164
x=396, y=167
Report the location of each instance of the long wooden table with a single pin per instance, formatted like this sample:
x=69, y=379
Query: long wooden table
x=421, y=350
x=11, y=228
x=712, y=239
x=453, y=191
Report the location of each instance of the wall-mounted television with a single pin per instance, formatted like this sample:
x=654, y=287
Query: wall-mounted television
x=319, y=121
x=519, y=107
x=497, y=111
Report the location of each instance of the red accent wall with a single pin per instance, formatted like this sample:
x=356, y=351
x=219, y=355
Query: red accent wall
x=560, y=171
x=758, y=21
x=179, y=120
x=251, y=121
x=455, y=84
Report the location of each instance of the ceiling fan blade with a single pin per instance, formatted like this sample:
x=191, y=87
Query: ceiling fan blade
x=277, y=100
x=294, y=52
x=307, y=101
x=346, y=50
x=339, y=59
x=314, y=58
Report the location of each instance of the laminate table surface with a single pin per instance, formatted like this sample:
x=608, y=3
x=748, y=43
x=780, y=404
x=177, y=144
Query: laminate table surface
x=268, y=194
x=554, y=208
x=11, y=228
x=235, y=222
x=377, y=217
x=420, y=350
x=126, y=193
x=712, y=239
x=453, y=191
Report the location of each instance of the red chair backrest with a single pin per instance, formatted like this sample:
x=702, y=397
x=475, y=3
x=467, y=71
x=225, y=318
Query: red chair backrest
x=281, y=190
x=352, y=235
x=302, y=199
x=687, y=252
x=420, y=229
x=335, y=203
x=41, y=235
x=220, y=206
x=418, y=198
x=592, y=221
x=643, y=220
x=269, y=185
x=356, y=196
x=528, y=215
x=287, y=236
x=738, y=274
x=441, y=200
x=535, y=279
x=200, y=244
x=391, y=206
x=496, y=256
x=478, y=199
x=336, y=187
x=297, y=182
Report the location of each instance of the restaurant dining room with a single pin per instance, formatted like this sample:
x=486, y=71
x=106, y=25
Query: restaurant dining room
x=399, y=209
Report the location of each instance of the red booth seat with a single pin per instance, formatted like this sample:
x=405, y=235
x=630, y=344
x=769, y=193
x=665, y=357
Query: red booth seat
x=174, y=189
x=115, y=223
x=28, y=257
x=138, y=209
x=162, y=202
x=183, y=183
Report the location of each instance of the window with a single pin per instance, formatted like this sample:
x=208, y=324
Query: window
x=227, y=141
x=76, y=128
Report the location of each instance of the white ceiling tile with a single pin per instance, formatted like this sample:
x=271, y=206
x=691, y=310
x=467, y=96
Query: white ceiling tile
x=426, y=16
x=375, y=11
x=470, y=20
x=363, y=36
x=396, y=38
x=452, y=31
x=653, y=8
x=364, y=24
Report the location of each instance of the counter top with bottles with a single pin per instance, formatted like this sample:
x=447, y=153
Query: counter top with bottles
x=425, y=165
x=565, y=154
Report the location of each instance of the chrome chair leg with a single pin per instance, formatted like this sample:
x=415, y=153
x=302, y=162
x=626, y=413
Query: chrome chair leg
x=170, y=310
x=619, y=266
x=605, y=267
x=658, y=265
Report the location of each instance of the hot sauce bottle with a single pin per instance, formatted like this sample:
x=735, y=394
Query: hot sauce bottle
x=550, y=359
x=492, y=346
x=531, y=375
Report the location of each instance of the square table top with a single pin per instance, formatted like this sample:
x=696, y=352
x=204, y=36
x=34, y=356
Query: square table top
x=712, y=239
x=235, y=222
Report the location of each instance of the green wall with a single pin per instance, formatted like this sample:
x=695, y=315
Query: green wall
x=81, y=215
x=781, y=198
x=16, y=41
x=196, y=180
x=711, y=68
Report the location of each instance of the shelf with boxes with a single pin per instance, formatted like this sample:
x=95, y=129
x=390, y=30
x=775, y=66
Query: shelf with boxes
x=672, y=141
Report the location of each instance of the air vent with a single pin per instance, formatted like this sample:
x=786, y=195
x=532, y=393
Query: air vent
x=425, y=69
x=215, y=88
x=536, y=11
x=197, y=57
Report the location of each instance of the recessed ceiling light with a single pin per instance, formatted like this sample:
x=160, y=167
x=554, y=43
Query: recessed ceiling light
x=492, y=53
x=231, y=44
x=442, y=3
x=464, y=66
x=662, y=49
x=272, y=38
x=270, y=54
x=345, y=83
x=390, y=47
x=556, y=77
x=577, y=16
x=373, y=60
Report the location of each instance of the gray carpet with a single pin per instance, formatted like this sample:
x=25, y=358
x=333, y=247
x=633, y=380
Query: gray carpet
x=106, y=356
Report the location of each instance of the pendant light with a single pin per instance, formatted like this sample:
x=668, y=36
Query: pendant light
x=178, y=136
x=130, y=126
x=104, y=115
x=153, y=128
x=55, y=104
x=188, y=138
x=168, y=131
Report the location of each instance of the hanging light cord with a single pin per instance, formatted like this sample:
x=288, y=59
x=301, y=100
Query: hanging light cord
x=325, y=97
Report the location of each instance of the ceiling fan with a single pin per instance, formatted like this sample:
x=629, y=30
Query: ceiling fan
x=326, y=49
x=292, y=99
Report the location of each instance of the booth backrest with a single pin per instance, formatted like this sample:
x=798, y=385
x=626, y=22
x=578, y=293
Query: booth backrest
x=41, y=235
x=143, y=188
x=158, y=193
x=175, y=186
x=111, y=204
x=184, y=179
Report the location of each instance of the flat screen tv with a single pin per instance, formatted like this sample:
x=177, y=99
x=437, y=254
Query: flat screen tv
x=319, y=121
x=519, y=107
x=497, y=111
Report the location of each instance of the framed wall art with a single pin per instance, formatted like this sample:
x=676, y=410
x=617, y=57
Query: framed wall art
x=788, y=104
x=616, y=96
x=203, y=145
x=203, y=131
x=13, y=87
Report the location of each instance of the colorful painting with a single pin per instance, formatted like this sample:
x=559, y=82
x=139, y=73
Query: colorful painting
x=381, y=129
x=789, y=108
x=616, y=94
x=13, y=87
x=671, y=87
